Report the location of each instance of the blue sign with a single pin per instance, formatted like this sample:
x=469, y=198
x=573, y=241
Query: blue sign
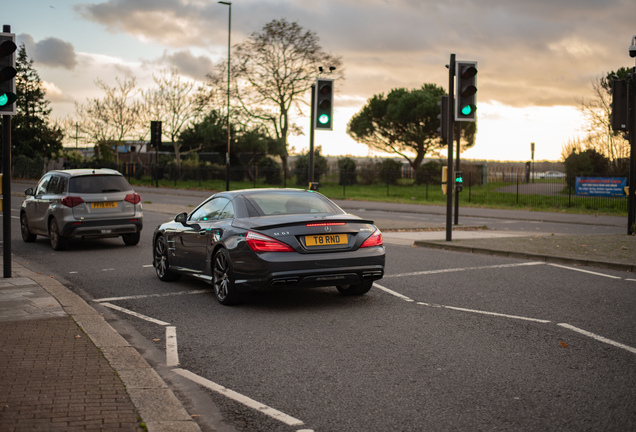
x=600, y=186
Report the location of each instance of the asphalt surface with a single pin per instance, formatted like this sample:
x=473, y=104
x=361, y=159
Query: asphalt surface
x=612, y=251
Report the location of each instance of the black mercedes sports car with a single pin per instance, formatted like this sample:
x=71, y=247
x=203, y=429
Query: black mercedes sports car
x=268, y=239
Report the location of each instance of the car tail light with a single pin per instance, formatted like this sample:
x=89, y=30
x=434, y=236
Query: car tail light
x=133, y=198
x=324, y=224
x=71, y=201
x=261, y=243
x=374, y=240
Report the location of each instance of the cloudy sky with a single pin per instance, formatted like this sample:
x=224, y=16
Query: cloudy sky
x=535, y=57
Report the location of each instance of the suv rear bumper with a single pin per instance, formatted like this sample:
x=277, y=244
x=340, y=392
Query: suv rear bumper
x=102, y=228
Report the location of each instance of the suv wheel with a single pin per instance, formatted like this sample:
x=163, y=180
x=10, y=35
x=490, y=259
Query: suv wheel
x=131, y=239
x=27, y=236
x=58, y=242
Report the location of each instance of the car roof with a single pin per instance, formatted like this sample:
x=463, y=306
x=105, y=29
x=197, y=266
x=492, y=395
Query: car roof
x=86, y=171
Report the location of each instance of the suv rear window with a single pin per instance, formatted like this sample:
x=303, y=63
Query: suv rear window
x=98, y=184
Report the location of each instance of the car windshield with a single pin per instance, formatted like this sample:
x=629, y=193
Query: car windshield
x=98, y=184
x=269, y=204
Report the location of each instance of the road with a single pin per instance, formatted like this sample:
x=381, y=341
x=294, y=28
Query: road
x=446, y=341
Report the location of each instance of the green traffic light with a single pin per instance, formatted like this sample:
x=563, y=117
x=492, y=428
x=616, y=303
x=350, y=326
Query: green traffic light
x=323, y=119
x=467, y=110
x=7, y=99
x=459, y=180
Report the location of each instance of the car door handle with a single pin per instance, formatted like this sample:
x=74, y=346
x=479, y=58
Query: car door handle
x=202, y=233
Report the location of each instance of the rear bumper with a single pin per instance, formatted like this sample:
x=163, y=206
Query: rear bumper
x=102, y=228
x=305, y=272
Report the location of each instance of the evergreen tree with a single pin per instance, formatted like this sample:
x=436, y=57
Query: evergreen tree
x=32, y=134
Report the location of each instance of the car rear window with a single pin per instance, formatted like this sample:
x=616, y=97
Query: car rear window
x=98, y=184
x=281, y=204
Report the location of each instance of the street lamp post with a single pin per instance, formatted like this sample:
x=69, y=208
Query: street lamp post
x=227, y=156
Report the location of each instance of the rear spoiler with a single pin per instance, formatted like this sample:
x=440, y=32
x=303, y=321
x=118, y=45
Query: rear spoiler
x=276, y=222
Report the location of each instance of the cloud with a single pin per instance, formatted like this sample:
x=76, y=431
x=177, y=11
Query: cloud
x=189, y=65
x=51, y=51
x=540, y=52
x=54, y=93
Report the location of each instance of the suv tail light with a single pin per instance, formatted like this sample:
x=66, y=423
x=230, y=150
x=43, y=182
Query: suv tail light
x=374, y=240
x=133, y=198
x=71, y=201
x=261, y=243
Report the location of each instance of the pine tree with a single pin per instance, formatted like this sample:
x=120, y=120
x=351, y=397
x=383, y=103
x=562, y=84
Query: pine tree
x=32, y=134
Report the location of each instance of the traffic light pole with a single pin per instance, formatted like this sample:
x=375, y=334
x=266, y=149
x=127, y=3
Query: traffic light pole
x=631, y=198
x=459, y=136
x=450, y=180
x=310, y=162
x=6, y=195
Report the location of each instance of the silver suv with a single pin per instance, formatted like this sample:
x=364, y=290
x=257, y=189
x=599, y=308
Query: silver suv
x=81, y=203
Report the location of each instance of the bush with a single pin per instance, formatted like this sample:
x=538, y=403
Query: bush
x=369, y=172
x=24, y=167
x=347, y=170
x=390, y=171
x=430, y=172
x=301, y=169
x=270, y=170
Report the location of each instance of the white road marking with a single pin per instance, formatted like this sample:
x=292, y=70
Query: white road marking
x=135, y=314
x=172, y=354
x=393, y=293
x=633, y=280
x=135, y=297
x=73, y=272
x=496, y=314
x=147, y=265
x=599, y=338
x=585, y=271
x=251, y=403
x=110, y=269
x=425, y=272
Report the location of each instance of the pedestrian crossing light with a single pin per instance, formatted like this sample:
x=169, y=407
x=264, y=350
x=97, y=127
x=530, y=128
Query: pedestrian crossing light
x=323, y=111
x=466, y=102
x=7, y=74
x=459, y=181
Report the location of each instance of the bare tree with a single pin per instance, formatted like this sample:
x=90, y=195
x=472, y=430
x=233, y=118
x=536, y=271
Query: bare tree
x=113, y=118
x=272, y=72
x=597, y=112
x=177, y=103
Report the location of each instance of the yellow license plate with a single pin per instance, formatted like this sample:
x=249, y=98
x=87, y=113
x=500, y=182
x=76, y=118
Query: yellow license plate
x=106, y=204
x=326, y=239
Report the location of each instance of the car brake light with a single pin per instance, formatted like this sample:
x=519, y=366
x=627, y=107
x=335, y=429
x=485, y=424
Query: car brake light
x=133, y=198
x=71, y=201
x=261, y=243
x=324, y=224
x=374, y=240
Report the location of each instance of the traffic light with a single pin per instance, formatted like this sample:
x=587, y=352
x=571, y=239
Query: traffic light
x=620, y=105
x=7, y=74
x=459, y=181
x=443, y=118
x=323, y=111
x=466, y=102
x=155, y=134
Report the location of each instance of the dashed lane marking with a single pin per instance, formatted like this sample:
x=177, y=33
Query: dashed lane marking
x=172, y=353
x=426, y=272
x=598, y=338
x=135, y=314
x=585, y=271
x=251, y=403
x=141, y=296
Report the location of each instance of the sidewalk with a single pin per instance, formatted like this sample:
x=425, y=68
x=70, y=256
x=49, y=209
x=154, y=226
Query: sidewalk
x=64, y=368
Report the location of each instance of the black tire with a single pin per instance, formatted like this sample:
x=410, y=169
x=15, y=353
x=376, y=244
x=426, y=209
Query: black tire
x=58, y=242
x=131, y=239
x=355, y=290
x=223, y=279
x=27, y=236
x=160, y=261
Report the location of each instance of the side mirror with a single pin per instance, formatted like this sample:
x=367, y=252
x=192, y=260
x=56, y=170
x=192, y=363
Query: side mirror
x=29, y=192
x=181, y=218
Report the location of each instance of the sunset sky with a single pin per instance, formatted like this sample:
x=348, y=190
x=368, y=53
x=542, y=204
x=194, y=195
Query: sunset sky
x=536, y=58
